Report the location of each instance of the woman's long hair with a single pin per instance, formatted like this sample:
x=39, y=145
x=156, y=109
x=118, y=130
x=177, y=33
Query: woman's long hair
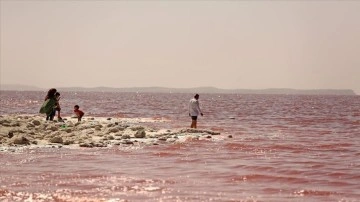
x=50, y=94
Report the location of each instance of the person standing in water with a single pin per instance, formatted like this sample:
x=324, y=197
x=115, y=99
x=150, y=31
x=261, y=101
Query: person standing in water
x=194, y=110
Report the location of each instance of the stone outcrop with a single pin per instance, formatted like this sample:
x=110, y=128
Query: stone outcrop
x=91, y=132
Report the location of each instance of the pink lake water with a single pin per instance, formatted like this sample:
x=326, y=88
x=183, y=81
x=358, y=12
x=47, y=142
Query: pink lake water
x=283, y=148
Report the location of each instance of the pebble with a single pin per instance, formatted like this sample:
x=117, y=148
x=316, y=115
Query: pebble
x=36, y=122
x=140, y=134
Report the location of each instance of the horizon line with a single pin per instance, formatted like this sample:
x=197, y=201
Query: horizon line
x=201, y=89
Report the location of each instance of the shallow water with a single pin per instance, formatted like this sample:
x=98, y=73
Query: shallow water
x=283, y=148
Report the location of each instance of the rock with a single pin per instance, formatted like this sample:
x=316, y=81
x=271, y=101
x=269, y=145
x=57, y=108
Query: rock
x=52, y=128
x=121, y=128
x=90, y=132
x=213, y=133
x=36, y=122
x=113, y=130
x=86, y=145
x=151, y=136
x=140, y=134
x=126, y=136
x=16, y=124
x=110, y=125
x=100, y=135
x=192, y=130
x=20, y=131
x=127, y=142
x=68, y=142
x=10, y=134
x=171, y=140
x=100, y=145
x=30, y=125
x=5, y=121
x=56, y=139
x=56, y=133
x=6, y=124
x=162, y=138
x=230, y=136
x=21, y=140
x=108, y=119
x=136, y=128
x=125, y=126
x=85, y=126
x=87, y=133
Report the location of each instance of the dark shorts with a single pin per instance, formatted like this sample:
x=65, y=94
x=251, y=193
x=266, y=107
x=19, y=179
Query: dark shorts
x=194, y=118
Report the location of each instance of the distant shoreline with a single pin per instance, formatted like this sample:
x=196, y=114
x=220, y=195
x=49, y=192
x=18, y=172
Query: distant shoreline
x=276, y=91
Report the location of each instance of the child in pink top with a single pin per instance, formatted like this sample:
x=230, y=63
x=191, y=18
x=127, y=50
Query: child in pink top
x=79, y=114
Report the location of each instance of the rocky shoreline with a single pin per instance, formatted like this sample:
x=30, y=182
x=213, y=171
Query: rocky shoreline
x=33, y=131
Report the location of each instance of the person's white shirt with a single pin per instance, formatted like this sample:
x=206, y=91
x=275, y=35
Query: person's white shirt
x=194, y=107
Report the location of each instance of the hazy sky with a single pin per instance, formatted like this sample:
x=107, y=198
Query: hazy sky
x=232, y=44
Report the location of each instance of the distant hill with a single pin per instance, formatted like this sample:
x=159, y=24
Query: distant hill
x=189, y=90
x=17, y=87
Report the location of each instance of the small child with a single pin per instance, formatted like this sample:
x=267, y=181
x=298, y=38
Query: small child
x=79, y=114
